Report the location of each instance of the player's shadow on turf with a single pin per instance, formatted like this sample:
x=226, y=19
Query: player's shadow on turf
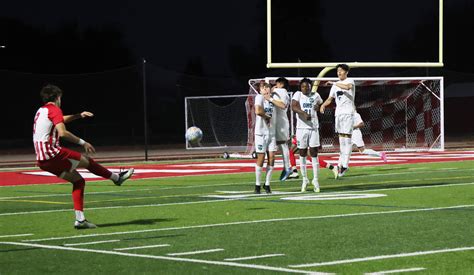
x=136, y=222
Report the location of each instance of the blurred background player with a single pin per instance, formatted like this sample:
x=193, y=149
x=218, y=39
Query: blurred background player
x=305, y=104
x=359, y=142
x=343, y=91
x=265, y=142
x=48, y=128
x=282, y=129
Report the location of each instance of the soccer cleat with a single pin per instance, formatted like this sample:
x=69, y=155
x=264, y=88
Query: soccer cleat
x=383, y=156
x=334, y=170
x=267, y=189
x=123, y=176
x=304, y=185
x=342, y=171
x=294, y=174
x=85, y=224
x=285, y=173
x=257, y=189
x=316, y=186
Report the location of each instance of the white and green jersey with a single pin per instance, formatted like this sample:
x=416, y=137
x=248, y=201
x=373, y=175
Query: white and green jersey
x=307, y=104
x=261, y=127
x=344, y=98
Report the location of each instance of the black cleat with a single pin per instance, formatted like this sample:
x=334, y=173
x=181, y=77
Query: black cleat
x=267, y=189
x=257, y=189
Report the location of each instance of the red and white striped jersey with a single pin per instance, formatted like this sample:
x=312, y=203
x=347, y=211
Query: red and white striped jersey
x=45, y=135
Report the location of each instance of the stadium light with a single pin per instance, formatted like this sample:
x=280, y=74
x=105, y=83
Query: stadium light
x=2, y=46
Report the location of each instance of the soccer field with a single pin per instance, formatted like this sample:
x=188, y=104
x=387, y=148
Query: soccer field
x=398, y=218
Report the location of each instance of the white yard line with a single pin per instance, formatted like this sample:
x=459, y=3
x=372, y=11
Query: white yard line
x=17, y=235
x=383, y=257
x=254, y=257
x=397, y=271
x=251, y=266
x=196, y=252
x=88, y=243
x=115, y=207
x=141, y=247
x=223, y=200
x=255, y=221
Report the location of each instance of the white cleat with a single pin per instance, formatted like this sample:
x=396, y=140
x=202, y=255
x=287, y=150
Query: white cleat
x=304, y=185
x=316, y=186
x=84, y=225
x=123, y=176
x=335, y=171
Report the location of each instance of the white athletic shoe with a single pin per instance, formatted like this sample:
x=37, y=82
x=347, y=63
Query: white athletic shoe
x=304, y=185
x=123, y=176
x=85, y=224
x=316, y=186
x=335, y=171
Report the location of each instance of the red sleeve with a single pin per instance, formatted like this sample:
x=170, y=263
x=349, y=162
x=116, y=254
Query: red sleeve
x=55, y=114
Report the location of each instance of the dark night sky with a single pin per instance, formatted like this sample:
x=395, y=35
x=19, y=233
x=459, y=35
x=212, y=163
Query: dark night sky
x=168, y=33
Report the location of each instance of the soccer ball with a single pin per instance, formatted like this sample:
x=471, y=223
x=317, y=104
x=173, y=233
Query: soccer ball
x=193, y=134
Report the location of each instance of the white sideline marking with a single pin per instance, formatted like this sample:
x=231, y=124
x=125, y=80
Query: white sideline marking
x=262, y=267
x=382, y=257
x=141, y=247
x=88, y=175
x=17, y=235
x=241, y=196
x=195, y=252
x=77, y=244
x=254, y=221
x=68, y=195
x=327, y=197
x=223, y=200
x=114, y=207
x=397, y=271
x=253, y=257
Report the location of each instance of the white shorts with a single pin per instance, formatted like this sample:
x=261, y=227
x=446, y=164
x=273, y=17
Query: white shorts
x=307, y=138
x=264, y=143
x=344, y=124
x=282, y=130
x=357, y=138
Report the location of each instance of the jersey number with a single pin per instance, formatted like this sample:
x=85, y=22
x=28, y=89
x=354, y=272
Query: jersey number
x=34, y=124
x=339, y=94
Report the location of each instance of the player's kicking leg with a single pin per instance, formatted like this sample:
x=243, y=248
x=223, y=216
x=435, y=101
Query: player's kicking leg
x=99, y=170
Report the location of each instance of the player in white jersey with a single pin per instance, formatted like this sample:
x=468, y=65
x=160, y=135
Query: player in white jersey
x=282, y=128
x=359, y=142
x=343, y=91
x=305, y=104
x=48, y=128
x=265, y=142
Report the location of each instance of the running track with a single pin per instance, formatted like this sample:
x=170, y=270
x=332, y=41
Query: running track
x=35, y=176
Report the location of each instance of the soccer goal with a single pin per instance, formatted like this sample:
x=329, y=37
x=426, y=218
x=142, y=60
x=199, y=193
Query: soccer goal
x=226, y=121
x=403, y=113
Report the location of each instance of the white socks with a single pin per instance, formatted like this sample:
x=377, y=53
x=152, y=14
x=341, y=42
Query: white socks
x=79, y=215
x=315, y=163
x=303, y=167
x=346, y=150
x=371, y=152
x=268, y=177
x=114, y=177
x=258, y=173
x=286, y=155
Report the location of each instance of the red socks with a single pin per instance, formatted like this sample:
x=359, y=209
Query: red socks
x=98, y=169
x=78, y=194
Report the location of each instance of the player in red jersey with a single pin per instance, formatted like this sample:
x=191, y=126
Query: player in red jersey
x=48, y=128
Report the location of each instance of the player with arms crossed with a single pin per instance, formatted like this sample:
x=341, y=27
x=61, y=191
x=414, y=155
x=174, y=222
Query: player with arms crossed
x=48, y=128
x=282, y=125
x=306, y=103
x=343, y=91
x=265, y=142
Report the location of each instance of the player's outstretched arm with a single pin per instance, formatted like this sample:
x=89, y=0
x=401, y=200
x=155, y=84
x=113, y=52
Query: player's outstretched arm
x=70, y=118
x=325, y=104
x=65, y=134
